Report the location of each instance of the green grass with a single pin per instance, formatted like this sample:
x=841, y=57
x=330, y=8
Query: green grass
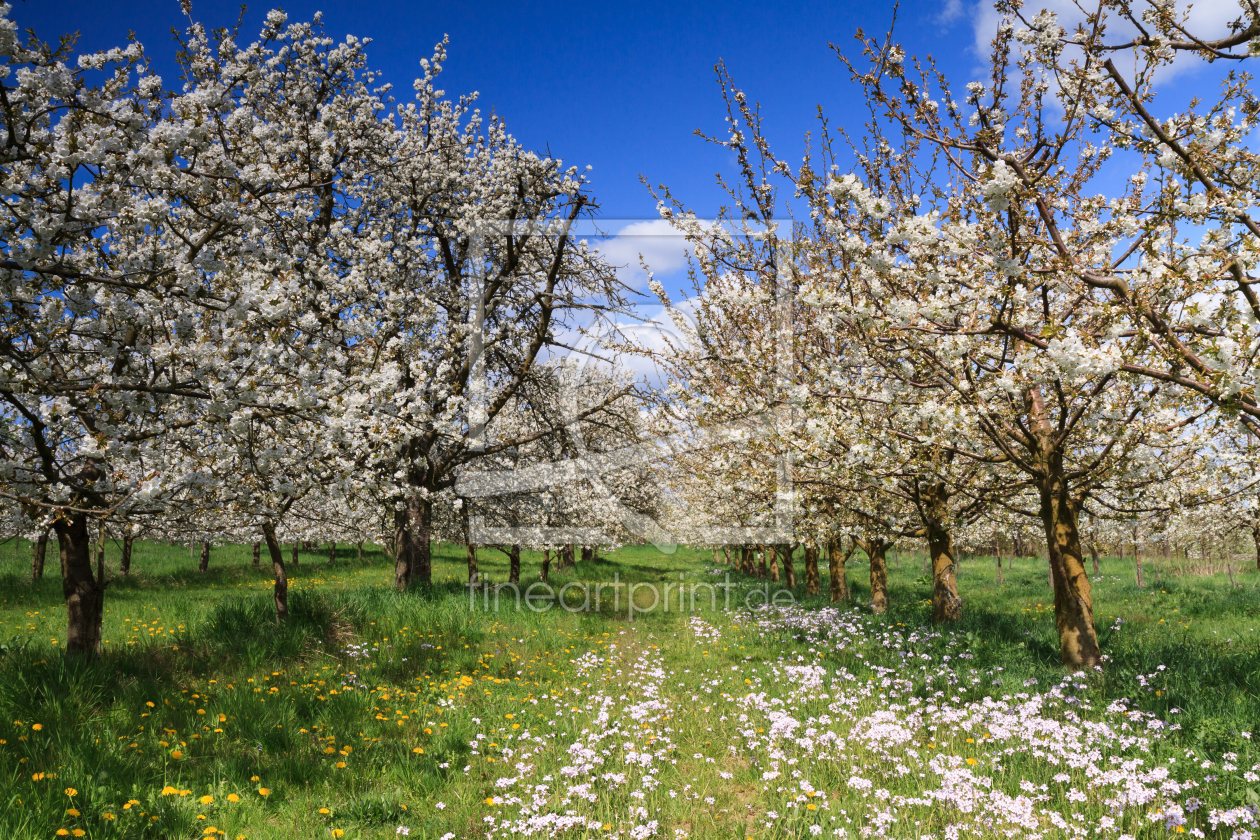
x=366, y=702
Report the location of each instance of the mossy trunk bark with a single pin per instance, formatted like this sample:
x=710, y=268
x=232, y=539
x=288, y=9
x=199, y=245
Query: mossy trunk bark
x=514, y=564
x=39, y=552
x=421, y=533
x=879, y=575
x=789, y=566
x=946, y=605
x=813, y=583
x=280, y=589
x=402, y=550
x=1073, y=602
x=1255, y=535
x=84, y=592
x=837, y=574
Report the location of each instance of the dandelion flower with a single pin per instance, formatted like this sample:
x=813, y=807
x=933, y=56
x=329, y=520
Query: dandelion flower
x=264, y=792
x=418, y=750
x=232, y=797
x=324, y=811
x=177, y=754
x=71, y=792
x=206, y=800
x=37, y=726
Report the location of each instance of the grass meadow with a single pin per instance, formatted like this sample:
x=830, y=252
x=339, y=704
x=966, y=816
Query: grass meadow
x=372, y=714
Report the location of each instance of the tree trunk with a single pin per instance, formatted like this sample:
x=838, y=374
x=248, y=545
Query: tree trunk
x=421, y=532
x=257, y=558
x=332, y=552
x=402, y=550
x=837, y=575
x=813, y=584
x=789, y=566
x=774, y=562
x=293, y=557
x=1093, y=555
x=763, y=569
x=280, y=591
x=946, y=605
x=546, y=564
x=124, y=564
x=471, y=551
x=39, y=551
x=1137, y=561
x=879, y=575
x=84, y=593
x=358, y=547
x=746, y=562
x=1073, y=603
x=1255, y=535
x=514, y=564
x=205, y=557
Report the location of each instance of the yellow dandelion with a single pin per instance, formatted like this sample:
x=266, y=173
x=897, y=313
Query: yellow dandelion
x=264, y=792
x=37, y=726
x=232, y=797
x=177, y=754
x=107, y=816
x=71, y=792
x=324, y=811
x=206, y=800
x=74, y=812
x=418, y=750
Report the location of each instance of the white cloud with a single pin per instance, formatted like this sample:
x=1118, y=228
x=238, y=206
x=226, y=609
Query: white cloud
x=661, y=246
x=951, y=11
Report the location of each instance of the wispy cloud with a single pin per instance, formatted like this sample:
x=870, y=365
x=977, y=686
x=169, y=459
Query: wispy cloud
x=951, y=11
x=653, y=242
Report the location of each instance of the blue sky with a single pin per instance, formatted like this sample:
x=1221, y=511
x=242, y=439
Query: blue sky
x=621, y=87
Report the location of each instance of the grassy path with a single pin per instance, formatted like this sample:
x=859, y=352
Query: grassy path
x=371, y=713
